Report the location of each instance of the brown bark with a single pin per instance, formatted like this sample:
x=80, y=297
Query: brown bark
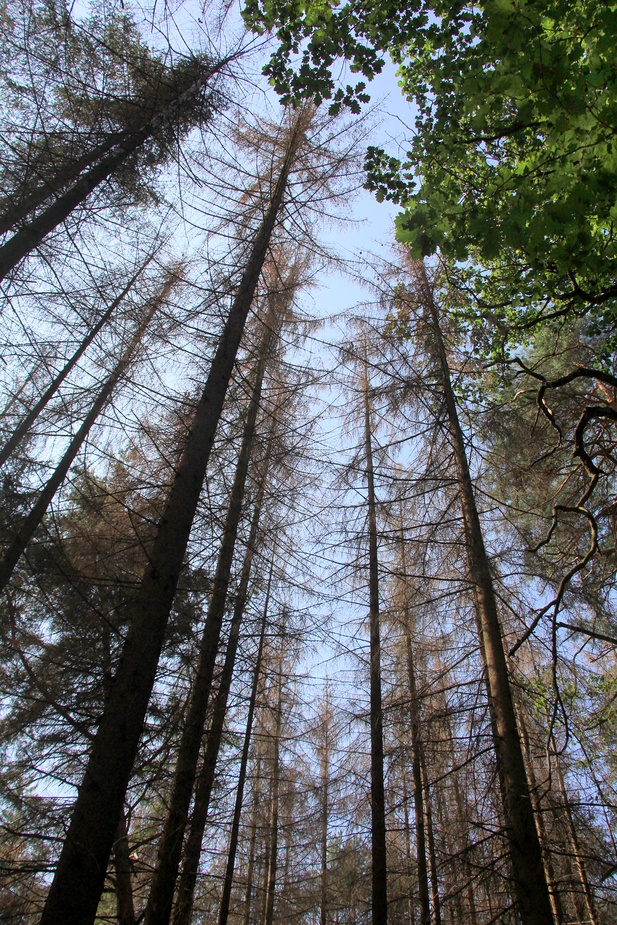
x=379, y=902
x=532, y=893
x=80, y=874
x=250, y=871
x=430, y=843
x=27, y=527
x=325, y=808
x=583, y=897
x=271, y=866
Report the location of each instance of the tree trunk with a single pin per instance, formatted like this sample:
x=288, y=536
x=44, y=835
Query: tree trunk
x=122, y=867
x=33, y=519
x=160, y=900
x=250, y=870
x=378, y=806
x=430, y=843
x=192, y=849
x=416, y=753
x=410, y=896
x=235, y=825
x=531, y=889
x=583, y=896
x=271, y=867
x=14, y=212
x=31, y=235
x=80, y=875
x=22, y=429
x=555, y=896
x=325, y=809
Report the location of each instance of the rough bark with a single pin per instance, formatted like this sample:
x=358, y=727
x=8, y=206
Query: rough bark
x=80, y=875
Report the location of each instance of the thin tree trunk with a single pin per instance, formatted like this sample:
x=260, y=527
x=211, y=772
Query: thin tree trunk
x=532, y=892
x=464, y=845
x=27, y=527
x=583, y=896
x=416, y=753
x=122, y=867
x=192, y=848
x=250, y=871
x=235, y=825
x=31, y=235
x=325, y=808
x=378, y=807
x=80, y=875
x=430, y=843
x=271, y=867
x=555, y=896
x=15, y=212
x=410, y=901
x=160, y=900
x=22, y=429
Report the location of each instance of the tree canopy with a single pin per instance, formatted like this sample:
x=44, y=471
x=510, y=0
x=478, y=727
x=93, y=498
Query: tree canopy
x=512, y=169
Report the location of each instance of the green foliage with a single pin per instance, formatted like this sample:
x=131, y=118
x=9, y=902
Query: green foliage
x=515, y=150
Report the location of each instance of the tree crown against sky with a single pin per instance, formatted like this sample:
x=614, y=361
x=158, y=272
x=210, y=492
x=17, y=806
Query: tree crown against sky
x=511, y=172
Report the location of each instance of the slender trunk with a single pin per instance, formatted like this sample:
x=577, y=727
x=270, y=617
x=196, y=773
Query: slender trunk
x=122, y=867
x=192, y=848
x=325, y=808
x=417, y=748
x=27, y=527
x=271, y=867
x=531, y=889
x=235, y=825
x=22, y=429
x=430, y=843
x=80, y=875
x=15, y=210
x=410, y=903
x=31, y=235
x=250, y=870
x=464, y=845
x=378, y=806
x=556, y=903
x=583, y=896
x=160, y=900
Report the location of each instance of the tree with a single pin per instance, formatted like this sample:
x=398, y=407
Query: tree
x=525, y=851
x=79, y=877
x=512, y=162
x=135, y=130
x=27, y=528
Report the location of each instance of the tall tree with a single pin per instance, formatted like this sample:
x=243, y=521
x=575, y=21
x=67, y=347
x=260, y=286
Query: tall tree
x=79, y=877
x=378, y=804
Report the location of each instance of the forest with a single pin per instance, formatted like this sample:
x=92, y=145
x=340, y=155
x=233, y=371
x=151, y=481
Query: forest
x=308, y=450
